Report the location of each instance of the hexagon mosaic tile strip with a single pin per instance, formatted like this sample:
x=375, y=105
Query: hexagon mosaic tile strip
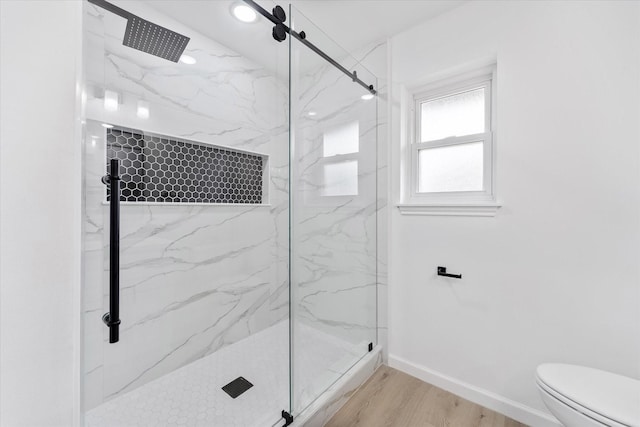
x=157, y=168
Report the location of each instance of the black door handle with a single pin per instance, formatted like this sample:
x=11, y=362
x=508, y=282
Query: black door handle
x=112, y=318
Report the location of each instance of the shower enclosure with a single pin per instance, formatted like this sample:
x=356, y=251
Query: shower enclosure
x=246, y=282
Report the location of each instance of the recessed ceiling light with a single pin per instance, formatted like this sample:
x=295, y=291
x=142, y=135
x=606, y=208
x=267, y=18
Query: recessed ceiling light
x=312, y=113
x=186, y=59
x=107, y=125
x=243, y=13
x=367, y=96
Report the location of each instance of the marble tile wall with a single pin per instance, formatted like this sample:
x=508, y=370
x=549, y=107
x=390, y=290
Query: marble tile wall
x=154, y=168
x=339, y=242
x=339, y=256
x=375, y=58
x=194, y=278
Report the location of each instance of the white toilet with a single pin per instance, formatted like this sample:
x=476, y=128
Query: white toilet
x=585, y=397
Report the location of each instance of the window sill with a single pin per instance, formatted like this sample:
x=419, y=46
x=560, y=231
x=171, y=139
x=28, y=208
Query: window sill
x=451, y=209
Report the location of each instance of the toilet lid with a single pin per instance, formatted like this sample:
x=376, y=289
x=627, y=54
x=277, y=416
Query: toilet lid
x=610, y=395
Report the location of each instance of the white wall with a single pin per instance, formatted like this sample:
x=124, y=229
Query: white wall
x=555, y=276
x=40, y=213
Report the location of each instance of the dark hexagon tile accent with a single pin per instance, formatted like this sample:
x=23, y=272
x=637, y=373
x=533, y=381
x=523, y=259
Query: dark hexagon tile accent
x=165, y=170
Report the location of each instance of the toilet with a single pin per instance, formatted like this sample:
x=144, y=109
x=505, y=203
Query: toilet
x=585, y=397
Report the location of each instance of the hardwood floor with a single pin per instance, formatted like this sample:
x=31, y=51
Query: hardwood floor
x=391, y=398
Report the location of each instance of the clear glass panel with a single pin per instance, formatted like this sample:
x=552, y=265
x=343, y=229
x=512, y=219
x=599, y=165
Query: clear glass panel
x=333, y=216
x=203, y=278
x=340, y=179
x=451, y=168
x=455, y=115
x=343, y=139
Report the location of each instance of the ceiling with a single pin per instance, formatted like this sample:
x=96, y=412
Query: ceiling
x=354, y=23
x=351, y=23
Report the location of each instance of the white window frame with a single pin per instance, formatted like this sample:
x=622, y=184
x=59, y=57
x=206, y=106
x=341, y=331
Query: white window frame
x=481, y=203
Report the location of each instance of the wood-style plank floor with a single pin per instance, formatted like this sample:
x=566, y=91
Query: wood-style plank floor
x=391, y=398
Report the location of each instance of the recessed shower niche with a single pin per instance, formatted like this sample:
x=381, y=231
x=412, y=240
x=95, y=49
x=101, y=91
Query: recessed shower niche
x=163, y=169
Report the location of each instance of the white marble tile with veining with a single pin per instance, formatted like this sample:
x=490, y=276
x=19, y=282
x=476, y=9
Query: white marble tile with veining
x=194, y=279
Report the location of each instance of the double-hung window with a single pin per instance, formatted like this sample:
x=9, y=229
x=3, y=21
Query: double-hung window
x=339, y=161
x=452, y=146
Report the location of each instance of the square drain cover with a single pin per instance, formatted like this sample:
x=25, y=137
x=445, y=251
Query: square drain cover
x=236, y=387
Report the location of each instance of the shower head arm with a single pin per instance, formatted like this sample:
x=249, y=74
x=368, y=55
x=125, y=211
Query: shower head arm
x=146, y=36
x=112, y=8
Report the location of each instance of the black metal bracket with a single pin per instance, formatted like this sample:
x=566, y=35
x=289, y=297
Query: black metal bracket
x=288, y=418
x=370, y=347
x=106, y=318
x=280, y=30
x=442, y=271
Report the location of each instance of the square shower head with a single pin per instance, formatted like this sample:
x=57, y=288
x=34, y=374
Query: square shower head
x=154, y=39
x=146, y=36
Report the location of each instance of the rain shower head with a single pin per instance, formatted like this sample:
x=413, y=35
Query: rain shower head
x=146, y=36
x=154, y=39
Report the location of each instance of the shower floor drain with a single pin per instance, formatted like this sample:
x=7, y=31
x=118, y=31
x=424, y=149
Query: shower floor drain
x=236, y=387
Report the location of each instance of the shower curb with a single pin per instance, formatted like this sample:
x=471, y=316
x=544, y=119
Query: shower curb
x=323, y=408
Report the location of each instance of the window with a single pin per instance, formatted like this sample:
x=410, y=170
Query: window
x=339, y=162
x=452, y=143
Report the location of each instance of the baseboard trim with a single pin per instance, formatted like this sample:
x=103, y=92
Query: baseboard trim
x=517, y=411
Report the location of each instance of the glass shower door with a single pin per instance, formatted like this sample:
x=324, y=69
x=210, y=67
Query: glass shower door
x=241, y=256
x=203, y=158
x=333, y=215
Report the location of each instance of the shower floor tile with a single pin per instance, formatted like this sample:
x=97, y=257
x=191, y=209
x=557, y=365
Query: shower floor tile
x=193, y=396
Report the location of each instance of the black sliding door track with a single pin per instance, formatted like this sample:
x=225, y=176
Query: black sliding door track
x=301, y=36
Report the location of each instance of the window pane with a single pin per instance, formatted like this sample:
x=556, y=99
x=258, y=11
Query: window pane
x=341, y=140
x=341, y=179
x=456, y=115
x=451, y=168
